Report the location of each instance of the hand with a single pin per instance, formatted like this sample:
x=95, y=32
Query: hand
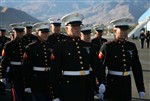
x=3, y=80
x=100, y=96
x=102, y=88
x=141, y=94
x=56, y=99
x=27, y=90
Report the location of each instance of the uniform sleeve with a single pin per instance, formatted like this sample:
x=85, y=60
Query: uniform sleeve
x=27, y=66
x=137, y=71
x=5, y=62
x=56, y=70
x=98, y=67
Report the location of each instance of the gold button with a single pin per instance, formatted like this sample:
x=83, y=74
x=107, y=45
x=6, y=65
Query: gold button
x=44, y=48
x=82, y=67
x=124, y=65
x=123, y=50
x=76, y=43
x=81, y=62
x=124, y=55
x=45, y=60
x=46, y=64
x=45, y=52
x=122, y=46
x=67, y=81
x=124, y=59
x=80, y=57
x=43, y=45
x=77, y=47
x=45, y=56
x=79, y=52
x=69, y=53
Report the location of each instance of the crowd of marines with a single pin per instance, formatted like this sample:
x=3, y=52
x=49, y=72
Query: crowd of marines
x=51, y=66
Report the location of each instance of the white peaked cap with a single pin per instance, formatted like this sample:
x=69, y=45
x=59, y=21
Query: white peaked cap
x=41, y=25
x=27, y=23
x=17, y=25
x=72, y=17
x=86, y=27
x=121, y=22
x=54, y=20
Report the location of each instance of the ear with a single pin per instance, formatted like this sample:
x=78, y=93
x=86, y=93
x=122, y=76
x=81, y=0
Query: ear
x=114, y=30
x=66, y=28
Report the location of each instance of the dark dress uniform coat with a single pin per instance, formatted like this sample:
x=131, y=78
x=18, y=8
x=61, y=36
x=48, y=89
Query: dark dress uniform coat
x=29, y=38
x=147, y=37
x=3, y=40
x=121, y=56
x=74, y=55
x=12, y=56
x=98, y=42
x=56, y=38
x=38, y=69
x=142, y=39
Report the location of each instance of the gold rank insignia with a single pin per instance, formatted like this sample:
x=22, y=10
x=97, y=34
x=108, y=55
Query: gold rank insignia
x=100, y=55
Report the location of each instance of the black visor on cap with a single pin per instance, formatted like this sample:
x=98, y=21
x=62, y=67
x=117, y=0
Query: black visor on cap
x=29, y=27
x=57, y=24
x=19, y=29
x=86, y=32
x=44, y=30
x=3, y=30
x=123, y=27
x=75, y=22
x=99, y=30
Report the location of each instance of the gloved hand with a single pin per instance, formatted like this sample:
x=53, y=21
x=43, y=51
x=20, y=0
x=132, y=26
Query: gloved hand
x=27, y=90
x=100, y=96
x=102, y=88
x=56, y=99
x=3, y=80
x=141, y=94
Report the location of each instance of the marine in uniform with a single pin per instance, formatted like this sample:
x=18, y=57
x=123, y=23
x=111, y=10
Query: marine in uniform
x=3, y=40
x=85, y=35
x=38, y=70
x=56, y=35
x=120, y=57
x=142, y=39
x=12, y=56
x=147, y=39
x=28, y=37
x=98, y=40
x=72, y=59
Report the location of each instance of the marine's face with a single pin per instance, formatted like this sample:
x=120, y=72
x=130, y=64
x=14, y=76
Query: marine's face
x=55, y=28
x=73, y=30
x=121, y=33
x=43, y=35
x=85, y=37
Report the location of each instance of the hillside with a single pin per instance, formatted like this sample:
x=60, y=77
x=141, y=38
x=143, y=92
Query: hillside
x=12, y=15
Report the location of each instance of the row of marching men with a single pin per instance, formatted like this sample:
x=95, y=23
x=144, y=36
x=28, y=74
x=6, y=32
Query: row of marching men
x=66, y=70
